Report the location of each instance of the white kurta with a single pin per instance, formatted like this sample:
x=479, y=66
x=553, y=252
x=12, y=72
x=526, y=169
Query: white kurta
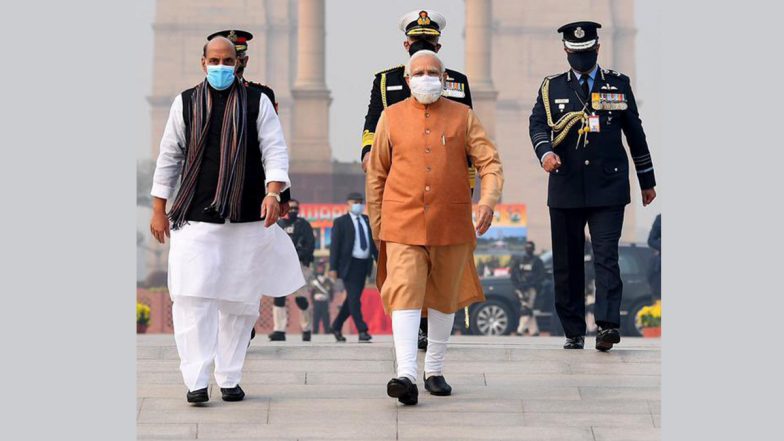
x=231, y=261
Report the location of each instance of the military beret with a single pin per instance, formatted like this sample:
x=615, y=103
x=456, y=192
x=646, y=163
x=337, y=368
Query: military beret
x=423, y=22
x=239, y=38
x=580, y=35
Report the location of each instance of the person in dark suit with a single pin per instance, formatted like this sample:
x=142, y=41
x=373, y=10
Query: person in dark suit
x=575, y=129
x=351, y=255
x=654, y=272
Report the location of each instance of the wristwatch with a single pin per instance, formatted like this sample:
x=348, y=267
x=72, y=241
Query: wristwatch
x=275, y=195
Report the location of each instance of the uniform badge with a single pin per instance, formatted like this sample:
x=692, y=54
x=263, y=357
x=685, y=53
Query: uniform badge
x=562, y=101
x=232, y=37
x=454, y=90
x=423, y=19
x=608, y=101
x=398, y=87
x=579, y=32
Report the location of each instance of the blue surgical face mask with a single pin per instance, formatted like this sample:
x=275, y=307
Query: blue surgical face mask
x=356, y=209
x=219, y=76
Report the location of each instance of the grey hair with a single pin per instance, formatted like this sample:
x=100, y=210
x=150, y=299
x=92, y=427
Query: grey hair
x=420, y=54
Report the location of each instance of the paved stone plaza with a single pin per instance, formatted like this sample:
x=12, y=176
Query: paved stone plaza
x=505, y=388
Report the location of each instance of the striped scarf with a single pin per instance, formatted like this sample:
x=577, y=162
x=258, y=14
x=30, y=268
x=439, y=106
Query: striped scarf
x=231, y=176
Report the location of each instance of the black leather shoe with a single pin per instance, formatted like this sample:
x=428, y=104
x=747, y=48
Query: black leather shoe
x=364, y=337
x=277, y=336
x=422, y=341
x=404, y=390
x=306, y=336
x=606, y=338
x=437, y=385
x=233, y=393
x=302, y=302
x=339, y=336
x=574, y=342
x=198, y=396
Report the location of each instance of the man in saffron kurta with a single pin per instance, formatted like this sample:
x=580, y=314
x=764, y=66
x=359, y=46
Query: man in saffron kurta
x=419, y=202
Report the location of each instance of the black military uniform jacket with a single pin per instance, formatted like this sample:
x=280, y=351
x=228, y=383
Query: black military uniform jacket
x=301, y=233
x=595, y=167
x=389, y=87
x=285, y=196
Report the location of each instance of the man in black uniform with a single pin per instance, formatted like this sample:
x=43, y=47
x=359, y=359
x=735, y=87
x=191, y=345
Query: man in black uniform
x=527, y=273
x=575, y=130
x=423, y=29
x=654, y=272
x=240, y=40
x=301, y=233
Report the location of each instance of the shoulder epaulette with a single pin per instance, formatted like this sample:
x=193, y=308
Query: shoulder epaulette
x=614, y=73
x=550, y=77
x=389, y=69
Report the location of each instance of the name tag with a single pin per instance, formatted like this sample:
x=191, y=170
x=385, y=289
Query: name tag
x=398, y=87
x=562, y=101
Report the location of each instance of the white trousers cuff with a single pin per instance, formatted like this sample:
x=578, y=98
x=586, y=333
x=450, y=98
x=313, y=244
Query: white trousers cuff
x=208, y=333
x=405, y=330
x=439, y=327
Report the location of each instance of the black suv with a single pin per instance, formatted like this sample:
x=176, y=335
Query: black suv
x=499, y=315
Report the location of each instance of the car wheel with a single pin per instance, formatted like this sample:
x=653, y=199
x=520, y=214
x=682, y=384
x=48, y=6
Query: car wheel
x=492, y=318
x=633, y=329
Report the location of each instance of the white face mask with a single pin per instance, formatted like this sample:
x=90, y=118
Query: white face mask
x=426, y=89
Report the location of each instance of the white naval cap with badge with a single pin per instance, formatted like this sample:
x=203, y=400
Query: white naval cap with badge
x=430, y=23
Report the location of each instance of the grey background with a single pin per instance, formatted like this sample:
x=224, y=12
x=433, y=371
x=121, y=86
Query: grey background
x=69, y=128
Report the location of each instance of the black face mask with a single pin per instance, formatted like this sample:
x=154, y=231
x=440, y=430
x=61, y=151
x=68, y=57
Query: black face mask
x=420, y=45
x=582, y=61
x=293, y=215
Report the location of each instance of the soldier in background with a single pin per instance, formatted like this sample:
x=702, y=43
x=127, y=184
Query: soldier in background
x=240, y=40
x=301, y=233
x=654, y=272
x=527, y=272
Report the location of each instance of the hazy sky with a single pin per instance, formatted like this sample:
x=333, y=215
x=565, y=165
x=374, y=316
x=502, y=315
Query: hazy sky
x=374, y=42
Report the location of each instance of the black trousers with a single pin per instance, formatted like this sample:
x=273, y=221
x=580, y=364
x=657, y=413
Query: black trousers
x=321, y=316
x=354, y=283
x=568, y=236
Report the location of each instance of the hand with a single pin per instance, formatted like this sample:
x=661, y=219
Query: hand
x=648, y=196
x=270, y=211
x=159, y=226
x=484, y=218
x=365, y=162
x=333, y=275
x=551, y=162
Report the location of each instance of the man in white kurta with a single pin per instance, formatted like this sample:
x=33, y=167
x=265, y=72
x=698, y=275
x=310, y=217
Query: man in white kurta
x=227, y=250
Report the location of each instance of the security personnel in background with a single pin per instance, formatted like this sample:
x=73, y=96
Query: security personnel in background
x=422, y=29
x=527, y=273
x=240, y=40
x=301, y=233
x=575, y=129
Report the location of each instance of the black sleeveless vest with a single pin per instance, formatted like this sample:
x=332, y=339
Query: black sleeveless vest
x=253, y=189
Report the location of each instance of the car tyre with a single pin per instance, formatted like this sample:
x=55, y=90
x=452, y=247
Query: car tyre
x=493, y=317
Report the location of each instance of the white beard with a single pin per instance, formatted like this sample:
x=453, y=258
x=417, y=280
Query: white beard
x=426, y=98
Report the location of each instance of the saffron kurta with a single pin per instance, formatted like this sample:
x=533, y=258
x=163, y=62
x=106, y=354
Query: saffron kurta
x=418, y=195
